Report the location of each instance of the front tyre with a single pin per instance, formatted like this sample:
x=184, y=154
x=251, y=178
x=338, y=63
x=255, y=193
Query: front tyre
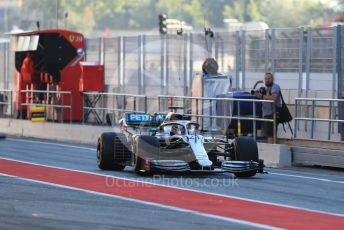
x=245, y=149
x=106, y=152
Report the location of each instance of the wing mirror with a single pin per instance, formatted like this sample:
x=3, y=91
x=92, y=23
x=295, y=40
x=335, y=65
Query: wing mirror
x=80, y=54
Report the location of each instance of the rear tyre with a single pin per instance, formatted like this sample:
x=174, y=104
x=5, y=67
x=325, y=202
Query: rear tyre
x=110, y=147
x=245, y=149
x=147, y=147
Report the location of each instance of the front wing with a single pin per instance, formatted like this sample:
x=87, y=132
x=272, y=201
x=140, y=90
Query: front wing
x=178, y=166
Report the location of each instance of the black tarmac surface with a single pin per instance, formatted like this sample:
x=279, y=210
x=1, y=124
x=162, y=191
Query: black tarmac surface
x=30, y=205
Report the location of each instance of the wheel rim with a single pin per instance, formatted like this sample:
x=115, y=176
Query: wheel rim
x=98, y=154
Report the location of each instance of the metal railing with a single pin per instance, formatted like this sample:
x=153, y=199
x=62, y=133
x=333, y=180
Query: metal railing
x=309, y=111
x=58, y=94
x=310, y=104
x=171, y=100
x=99, y=104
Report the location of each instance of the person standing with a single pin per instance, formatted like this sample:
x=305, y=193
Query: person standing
x=272, y=92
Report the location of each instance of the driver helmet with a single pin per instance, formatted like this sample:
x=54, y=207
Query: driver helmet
x=175, y=129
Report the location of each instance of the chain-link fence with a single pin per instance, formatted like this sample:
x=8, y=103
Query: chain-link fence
x=304, y=61
x=287, y=59
x=4, y=63
x=227, y=48
x=111, y=61
x=93, y=50
x=254, y=57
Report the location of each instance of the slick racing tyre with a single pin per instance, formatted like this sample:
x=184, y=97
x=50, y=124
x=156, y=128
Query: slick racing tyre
x=245, y=149
x=112, y=151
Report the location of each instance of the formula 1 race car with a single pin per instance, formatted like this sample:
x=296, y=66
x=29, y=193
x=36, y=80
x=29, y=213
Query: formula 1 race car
x=173, y=143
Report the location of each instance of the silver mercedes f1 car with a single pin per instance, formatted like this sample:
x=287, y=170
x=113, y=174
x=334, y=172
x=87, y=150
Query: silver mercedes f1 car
x=173, y=143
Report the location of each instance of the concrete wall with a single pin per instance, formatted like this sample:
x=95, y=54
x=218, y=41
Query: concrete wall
x=275, y=155
x=82, y=134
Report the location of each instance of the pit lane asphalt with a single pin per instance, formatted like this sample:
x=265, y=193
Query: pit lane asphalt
x=25, y=203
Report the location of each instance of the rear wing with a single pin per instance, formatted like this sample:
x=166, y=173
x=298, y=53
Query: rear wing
x=142, y=120
x=50, y=50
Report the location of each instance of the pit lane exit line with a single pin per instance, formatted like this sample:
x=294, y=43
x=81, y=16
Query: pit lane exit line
x=208, y=204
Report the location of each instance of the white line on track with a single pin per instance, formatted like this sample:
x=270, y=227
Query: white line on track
x=247, y=223
x=94, y=149
x=307, y=177
x=181, y=188
x=51, y=143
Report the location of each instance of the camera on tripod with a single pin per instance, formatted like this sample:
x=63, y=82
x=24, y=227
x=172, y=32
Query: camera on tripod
x=261, y=90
